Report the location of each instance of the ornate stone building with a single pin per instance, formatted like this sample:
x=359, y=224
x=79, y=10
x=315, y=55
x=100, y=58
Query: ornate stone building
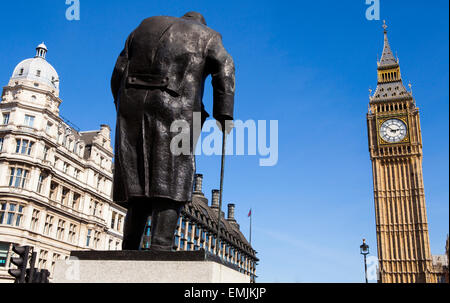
x=197, y=229
x=395, y=145
x=55, y=181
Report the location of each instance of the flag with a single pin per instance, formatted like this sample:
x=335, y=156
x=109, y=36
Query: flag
x=250, y=213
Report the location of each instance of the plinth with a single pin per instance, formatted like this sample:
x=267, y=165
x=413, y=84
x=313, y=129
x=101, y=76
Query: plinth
x=146, y=267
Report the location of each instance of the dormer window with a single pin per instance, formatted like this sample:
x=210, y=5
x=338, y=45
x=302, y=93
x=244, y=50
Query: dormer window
x=38, y=73
x=21, y=72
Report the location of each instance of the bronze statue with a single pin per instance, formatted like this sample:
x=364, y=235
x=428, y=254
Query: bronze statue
x=159, y=78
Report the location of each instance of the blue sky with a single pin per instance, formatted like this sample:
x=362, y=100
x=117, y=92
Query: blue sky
x=307, y=64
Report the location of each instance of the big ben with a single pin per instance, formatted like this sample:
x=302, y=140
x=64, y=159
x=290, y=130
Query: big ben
x=395, y=145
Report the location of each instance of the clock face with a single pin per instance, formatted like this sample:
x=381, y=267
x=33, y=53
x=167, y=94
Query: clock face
x=393, y=130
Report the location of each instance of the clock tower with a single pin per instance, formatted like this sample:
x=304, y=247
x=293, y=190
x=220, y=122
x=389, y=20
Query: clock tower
x=395, y=145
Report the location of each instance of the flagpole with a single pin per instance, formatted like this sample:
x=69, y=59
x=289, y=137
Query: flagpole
x=251, y=215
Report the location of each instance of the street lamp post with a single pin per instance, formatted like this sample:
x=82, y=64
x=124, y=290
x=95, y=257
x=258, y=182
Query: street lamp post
x=364, y=248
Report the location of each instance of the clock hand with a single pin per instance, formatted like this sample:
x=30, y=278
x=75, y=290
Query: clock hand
x=392, y=130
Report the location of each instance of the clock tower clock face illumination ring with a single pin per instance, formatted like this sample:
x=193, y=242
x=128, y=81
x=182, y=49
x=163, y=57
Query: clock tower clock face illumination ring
x=393, y=130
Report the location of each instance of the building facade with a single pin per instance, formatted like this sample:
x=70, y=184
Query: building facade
x=55, y=181
x=197, y=229
x=395, y=145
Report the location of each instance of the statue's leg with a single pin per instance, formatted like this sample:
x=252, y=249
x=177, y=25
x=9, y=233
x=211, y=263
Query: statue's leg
x=164, y=223
x=135, y=222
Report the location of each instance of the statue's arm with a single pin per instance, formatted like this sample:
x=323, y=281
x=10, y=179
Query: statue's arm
x=119, y=69
x=221, y=67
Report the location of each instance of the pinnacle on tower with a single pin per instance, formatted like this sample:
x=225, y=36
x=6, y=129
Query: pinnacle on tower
x=387, y=58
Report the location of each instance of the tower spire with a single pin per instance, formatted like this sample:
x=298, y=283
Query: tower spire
x=390, y=84
x=387, y=58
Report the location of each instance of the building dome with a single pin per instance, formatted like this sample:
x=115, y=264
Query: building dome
x=37, y=70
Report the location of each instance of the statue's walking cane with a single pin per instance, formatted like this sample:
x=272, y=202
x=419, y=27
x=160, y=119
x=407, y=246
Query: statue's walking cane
x=224, y=132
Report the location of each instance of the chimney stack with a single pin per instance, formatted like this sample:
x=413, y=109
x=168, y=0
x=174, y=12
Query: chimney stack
x=231, y=208
x=198, y=184
x=215, y=198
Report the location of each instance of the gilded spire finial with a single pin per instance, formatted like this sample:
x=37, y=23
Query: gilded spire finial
x=385, y=26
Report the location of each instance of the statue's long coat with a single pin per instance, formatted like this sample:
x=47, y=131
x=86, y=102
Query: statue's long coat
x=159, y=78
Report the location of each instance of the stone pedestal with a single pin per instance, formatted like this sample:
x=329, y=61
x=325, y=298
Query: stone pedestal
x=146, y=267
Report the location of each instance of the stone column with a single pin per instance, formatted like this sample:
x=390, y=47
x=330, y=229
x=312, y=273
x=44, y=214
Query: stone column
x=116, y=221
x=26, y=219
